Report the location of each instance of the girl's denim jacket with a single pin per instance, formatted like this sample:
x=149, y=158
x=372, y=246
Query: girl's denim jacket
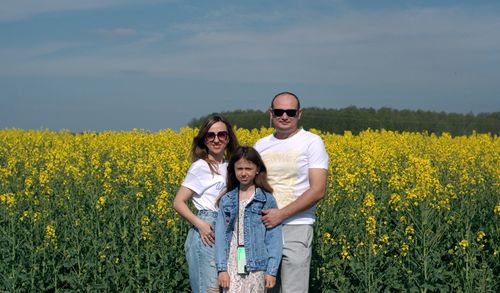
x=263, y=247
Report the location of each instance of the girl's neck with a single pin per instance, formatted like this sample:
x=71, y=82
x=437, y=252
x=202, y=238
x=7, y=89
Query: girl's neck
x=246, y=191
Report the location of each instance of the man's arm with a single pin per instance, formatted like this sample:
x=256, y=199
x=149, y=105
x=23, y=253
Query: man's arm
x=316, y=191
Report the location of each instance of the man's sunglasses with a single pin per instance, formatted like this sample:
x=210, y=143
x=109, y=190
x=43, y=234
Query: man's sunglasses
x=221, y=135
x=280, y=112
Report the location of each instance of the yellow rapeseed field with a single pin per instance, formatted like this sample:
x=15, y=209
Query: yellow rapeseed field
x=92, y=211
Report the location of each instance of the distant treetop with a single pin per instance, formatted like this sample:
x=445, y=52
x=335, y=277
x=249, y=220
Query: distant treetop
x=358, y=119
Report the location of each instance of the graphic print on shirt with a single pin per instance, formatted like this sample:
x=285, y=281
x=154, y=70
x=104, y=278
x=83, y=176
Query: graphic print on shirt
x=219, y=186
x=282, y=175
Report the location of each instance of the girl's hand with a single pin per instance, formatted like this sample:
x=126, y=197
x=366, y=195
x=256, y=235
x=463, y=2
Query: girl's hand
x=270, y=281
x=207, y=234
x=224, y=280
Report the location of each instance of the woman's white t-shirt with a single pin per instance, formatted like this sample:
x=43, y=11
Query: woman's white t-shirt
x=206, y=186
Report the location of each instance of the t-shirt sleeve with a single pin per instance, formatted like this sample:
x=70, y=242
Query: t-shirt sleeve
x=193, y=179
x=318, y=157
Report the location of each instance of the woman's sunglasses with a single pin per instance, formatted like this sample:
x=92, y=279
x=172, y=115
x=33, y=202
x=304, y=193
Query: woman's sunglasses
x=280, y=112
x=221, y=135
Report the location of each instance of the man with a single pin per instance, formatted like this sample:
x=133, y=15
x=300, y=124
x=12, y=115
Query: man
x=297, y=165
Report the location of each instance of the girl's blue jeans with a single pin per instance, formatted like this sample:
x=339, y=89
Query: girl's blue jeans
x=203, y=275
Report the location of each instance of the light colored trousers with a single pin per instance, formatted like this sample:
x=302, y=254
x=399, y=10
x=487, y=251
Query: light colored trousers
x=296, y=261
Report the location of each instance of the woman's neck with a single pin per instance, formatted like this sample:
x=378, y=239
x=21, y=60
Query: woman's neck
x=216, y=159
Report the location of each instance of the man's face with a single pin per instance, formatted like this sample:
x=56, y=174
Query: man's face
x=281, y=120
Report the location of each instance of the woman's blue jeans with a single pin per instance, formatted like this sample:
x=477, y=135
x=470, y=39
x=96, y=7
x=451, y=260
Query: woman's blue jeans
x=203, y=275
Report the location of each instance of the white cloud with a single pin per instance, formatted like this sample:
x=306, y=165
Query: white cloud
x=409, y=47
x=20, y=9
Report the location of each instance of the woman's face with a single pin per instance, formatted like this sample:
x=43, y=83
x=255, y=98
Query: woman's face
x=216, y=140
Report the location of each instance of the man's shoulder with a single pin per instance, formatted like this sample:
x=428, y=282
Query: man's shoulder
x=263, y=141
x=308, y=138
x=307, y=134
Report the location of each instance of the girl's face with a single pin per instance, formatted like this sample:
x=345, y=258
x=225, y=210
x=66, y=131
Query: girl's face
x=216, y=140
x=245, y=172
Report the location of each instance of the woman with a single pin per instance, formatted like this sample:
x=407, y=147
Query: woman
x=203, y=184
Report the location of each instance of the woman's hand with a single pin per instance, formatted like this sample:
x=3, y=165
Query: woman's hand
x=207, y=233
x=224, y=280
x=270, y=281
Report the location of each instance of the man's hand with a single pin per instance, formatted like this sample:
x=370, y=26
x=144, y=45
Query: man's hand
x=272, y=217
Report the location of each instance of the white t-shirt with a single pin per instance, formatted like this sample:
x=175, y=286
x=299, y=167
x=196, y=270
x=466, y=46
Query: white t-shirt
x=288, y=162
x=206, y=186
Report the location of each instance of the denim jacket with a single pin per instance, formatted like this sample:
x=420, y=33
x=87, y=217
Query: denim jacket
x=263, y=247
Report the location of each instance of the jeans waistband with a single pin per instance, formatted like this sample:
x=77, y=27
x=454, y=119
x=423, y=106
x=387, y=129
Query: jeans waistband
x=207, y=213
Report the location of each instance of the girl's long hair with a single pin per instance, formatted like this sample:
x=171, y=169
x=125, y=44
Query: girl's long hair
x=199, y=149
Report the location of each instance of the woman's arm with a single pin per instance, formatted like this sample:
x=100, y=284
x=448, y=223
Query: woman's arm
x=180, y=205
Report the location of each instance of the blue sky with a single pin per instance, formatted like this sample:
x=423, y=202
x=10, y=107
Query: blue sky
x=155, y=64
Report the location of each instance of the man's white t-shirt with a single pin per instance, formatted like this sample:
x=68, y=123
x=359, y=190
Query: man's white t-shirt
x=206, y=186
x=288, y=162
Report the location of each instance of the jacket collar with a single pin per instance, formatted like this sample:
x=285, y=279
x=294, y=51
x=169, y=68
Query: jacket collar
x=259, y=194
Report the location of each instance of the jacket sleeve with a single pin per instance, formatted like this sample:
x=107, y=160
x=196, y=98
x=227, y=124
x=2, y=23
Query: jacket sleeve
x=273, y=241
x=220, y=240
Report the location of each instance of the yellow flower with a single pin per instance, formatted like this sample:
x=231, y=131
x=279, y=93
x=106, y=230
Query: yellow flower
x=394, y=201
x=100, y=202
x=344, y=255
x=50, y=234
x=145, y=220
x=409, y=231
x=139, y=195
x=28, y=182
x=463, y=244
x=371, y=225
x=369, y=200
x=8, y=199
x=480, y=235
x=24, y=216
x=404, y=249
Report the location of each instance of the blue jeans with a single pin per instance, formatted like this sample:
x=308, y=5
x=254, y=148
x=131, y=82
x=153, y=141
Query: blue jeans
x=200, y=258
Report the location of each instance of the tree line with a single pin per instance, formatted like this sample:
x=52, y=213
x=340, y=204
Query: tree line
x=358, y=119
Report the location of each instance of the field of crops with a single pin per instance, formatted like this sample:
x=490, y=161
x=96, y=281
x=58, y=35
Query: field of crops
x=92, y=212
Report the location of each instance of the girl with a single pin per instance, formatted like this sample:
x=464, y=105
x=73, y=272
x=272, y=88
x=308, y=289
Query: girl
x=248, y=255
x=204, y=182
